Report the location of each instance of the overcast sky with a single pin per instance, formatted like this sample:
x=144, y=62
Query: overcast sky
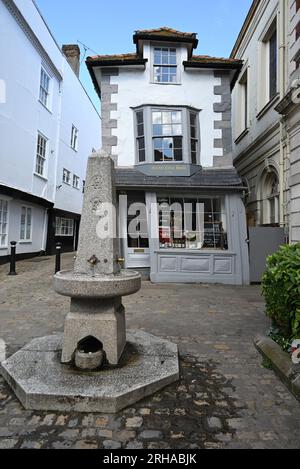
x=106, y=27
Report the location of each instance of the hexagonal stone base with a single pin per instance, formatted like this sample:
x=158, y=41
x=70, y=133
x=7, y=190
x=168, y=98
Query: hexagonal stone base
x=41, y=382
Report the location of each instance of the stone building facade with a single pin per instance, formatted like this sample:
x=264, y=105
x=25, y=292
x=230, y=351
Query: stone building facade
x=265, y=122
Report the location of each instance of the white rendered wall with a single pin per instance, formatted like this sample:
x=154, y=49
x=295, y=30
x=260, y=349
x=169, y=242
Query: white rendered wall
x=22, y=116
x=135, y=88
x=77, y=110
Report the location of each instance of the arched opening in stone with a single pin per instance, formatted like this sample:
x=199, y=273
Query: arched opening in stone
x=89, y=345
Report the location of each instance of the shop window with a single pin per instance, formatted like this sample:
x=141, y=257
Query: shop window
x=192, y=223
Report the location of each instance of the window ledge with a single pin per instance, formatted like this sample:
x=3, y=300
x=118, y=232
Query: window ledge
x=40, y=176
x=242, y=135
x=26, y=242
x=3, y=248
x=268, y=106
x=164, y=83
x=45, y=107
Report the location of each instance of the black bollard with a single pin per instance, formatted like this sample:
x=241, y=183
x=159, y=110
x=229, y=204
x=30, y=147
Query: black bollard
x=58, y=257
x=12, y=270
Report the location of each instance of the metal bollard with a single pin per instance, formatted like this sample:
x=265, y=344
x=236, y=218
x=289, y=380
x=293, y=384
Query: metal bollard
x=12, y=270
x=58, y=257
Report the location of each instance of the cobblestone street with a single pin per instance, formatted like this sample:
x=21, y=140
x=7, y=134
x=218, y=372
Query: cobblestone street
x=224, y=399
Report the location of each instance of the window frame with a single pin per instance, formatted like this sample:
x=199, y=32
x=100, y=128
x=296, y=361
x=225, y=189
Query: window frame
x=158, y=45
x=171, y=135
x=223, y=213
x=242, y=104
x=74, y=138
x=42, y=89
x=149, y=137
x=76, y=179
x=68, y=182
x=40, y=156
x=264, y=77
x=58, y=232
x=138, y=137
x=5, y=201
x=25, y=239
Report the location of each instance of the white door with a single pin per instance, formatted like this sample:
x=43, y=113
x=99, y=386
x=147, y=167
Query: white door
x=135, y=232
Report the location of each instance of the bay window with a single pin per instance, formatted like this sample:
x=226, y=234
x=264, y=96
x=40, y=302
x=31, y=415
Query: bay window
x=192, y=223
x=167, y=135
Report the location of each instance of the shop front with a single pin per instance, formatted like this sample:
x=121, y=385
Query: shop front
x=184, y=234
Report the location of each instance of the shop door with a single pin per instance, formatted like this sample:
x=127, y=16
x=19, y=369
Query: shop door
x=137, y=252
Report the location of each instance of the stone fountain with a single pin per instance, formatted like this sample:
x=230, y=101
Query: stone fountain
x=95, y=366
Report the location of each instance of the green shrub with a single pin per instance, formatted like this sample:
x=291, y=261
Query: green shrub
x=281, y=289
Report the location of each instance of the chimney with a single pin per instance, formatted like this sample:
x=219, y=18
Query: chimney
x=72, y=54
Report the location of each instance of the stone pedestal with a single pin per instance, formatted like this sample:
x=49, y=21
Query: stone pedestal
x=102, y=319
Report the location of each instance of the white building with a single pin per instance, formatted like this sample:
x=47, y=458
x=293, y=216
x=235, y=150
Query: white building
x=166, y=120
x=48, y=127
x=266, y=117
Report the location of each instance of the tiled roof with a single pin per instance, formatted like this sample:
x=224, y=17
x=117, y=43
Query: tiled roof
x=131, y=56
x=209, y=59
x=164, y=31
x=204, y=178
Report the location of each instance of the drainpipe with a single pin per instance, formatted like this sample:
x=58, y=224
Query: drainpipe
x=282, y=56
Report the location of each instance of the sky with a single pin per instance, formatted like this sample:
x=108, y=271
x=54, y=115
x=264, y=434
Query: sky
x=107, y=27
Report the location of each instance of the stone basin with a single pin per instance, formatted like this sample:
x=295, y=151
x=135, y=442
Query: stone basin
x=81, y=285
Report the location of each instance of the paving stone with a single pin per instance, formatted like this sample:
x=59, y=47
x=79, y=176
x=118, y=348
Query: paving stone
x=4, y=431
x=134, y=422
x=110, y=444
x=101, y=422
x=8, y=443
x=214, y=423
x=105, y=433
x=32, y=444
x=73, y=423
x=124, y=435
x=145, y=411
x=83, y=444
x=61, y=420
x=135, y=445
x=69, y=434
x=150, y=434
x=61, y=444
x=225, y=382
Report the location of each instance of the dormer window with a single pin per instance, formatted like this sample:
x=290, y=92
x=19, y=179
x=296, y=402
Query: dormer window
x=165, y=65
